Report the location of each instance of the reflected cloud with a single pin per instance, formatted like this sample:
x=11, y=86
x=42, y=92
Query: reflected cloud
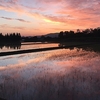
x=64, y=72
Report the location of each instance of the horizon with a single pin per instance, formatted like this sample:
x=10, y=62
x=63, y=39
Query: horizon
x=75, y=31
x=35, y=17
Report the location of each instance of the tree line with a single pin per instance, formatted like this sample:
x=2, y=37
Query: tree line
x=84, y=35
x=12, y=37
x=87, y=35
x=92, y=35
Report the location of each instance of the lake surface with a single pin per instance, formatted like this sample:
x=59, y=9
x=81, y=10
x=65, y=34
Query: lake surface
x=64, y=74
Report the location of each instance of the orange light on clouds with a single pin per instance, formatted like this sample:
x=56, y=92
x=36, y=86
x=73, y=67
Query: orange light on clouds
x=50, y=21
x=42, y=17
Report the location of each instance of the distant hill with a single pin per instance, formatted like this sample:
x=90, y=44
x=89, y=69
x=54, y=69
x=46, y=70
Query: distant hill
x=51, y=35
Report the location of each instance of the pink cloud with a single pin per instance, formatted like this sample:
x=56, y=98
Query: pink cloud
x=50, y=1
x=69, y=13
x=6, y=26
x=21, y=20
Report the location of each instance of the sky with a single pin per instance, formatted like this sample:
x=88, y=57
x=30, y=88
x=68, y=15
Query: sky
x=39, y=17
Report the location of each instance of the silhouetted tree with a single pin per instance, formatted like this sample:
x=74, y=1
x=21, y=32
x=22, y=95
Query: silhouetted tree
x=61, y=35
x=12, y=37
x=85, y=35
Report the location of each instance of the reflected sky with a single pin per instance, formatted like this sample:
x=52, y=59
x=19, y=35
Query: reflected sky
x=75, y=68
x=56, y=60
x=26, y=45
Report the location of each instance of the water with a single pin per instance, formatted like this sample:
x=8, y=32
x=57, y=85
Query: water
x=26, y=45
x=64, y=74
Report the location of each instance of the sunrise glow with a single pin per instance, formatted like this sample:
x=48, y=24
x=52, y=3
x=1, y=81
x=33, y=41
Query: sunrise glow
x=37, y=17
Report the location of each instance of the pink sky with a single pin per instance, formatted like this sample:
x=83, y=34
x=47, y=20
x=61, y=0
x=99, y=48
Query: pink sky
x=37, y=17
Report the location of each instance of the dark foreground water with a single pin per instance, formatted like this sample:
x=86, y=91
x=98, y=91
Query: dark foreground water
x=64, y=74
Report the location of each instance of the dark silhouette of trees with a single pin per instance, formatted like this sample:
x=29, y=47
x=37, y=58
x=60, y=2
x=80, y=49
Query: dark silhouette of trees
x=10, y=45
x=30, y=39
x=10, y=41
x=87, y=35
x=12, y=37
x=61, y=35
x=1, y=37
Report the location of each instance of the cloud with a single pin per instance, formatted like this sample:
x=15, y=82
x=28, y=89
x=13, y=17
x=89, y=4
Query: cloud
x=6, y=26
x=10, y=7
x=21, y=9
x=50, y=1
x=69, y=13
x=65, y=7
x=6, y=18
x=82, y=6
x=73, y=12
x=21, y=20
x=59, y=18
x=82, y=12
x=12, y=1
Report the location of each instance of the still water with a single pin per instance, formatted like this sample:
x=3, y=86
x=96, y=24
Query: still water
x=26, y=45
x=64, y=74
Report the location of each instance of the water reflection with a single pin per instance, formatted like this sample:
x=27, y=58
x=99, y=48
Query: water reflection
x=10, y=45
x=86, y=46
x=24, y=46
x=51, y=75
